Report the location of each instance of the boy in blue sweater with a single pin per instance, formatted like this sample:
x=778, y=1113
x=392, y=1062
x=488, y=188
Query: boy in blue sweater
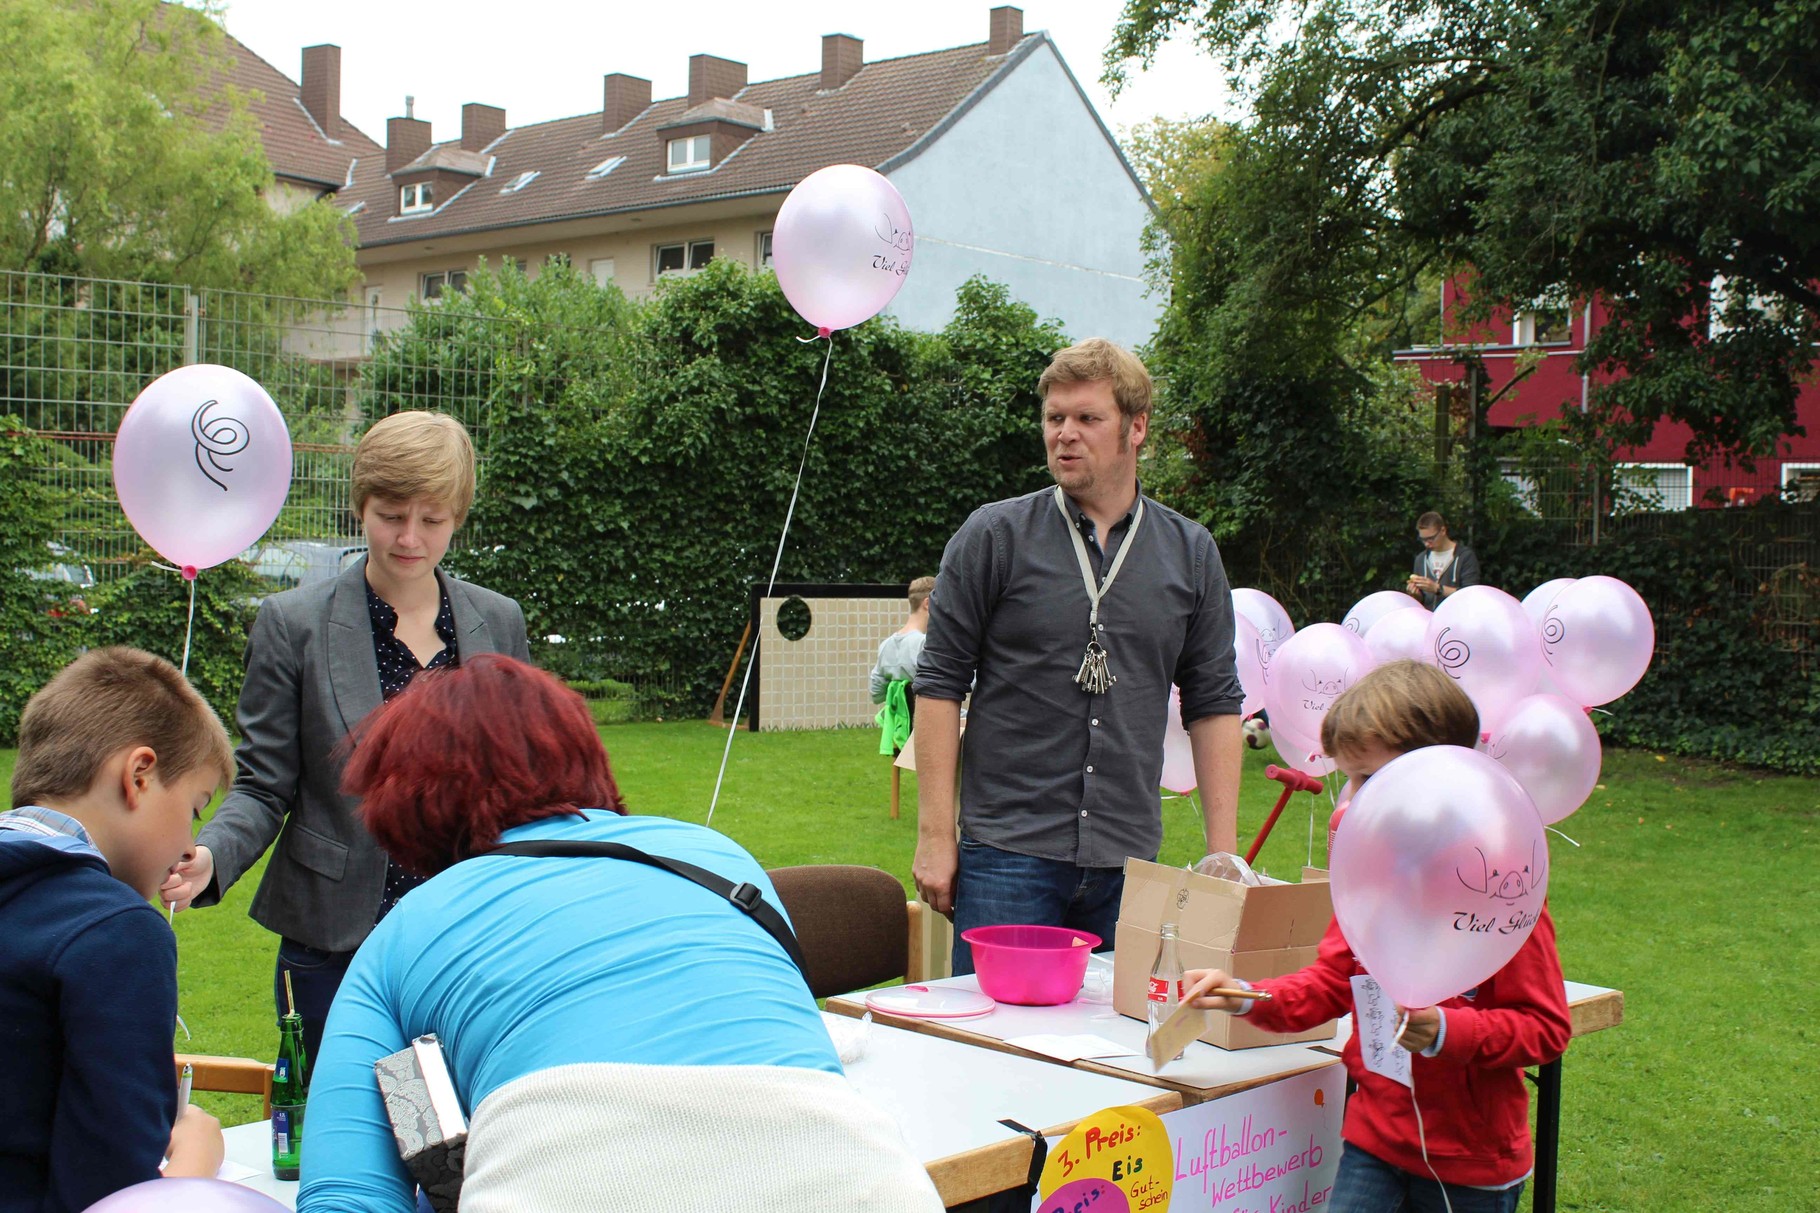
x=118, y=756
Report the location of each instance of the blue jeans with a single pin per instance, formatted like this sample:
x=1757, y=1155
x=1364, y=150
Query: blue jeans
x=994, y=887
x=315, y=976
x=1368, y=1184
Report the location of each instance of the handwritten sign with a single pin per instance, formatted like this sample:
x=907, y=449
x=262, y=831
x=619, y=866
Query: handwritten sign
x=1273, y=1149
x=1374, y=1021
x=1115, y=1161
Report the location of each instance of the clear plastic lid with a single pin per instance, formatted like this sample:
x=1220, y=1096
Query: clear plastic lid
x=930, y=1002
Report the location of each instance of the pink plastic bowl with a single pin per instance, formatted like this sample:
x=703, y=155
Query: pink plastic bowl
x=1030, y=966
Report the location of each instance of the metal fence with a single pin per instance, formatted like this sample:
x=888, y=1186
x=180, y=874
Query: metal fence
x=74, y=352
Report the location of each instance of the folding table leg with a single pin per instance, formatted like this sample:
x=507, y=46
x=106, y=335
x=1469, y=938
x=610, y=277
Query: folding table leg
x=1548, y=1136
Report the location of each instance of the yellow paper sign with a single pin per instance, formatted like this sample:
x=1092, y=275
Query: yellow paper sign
x=1115, y=1161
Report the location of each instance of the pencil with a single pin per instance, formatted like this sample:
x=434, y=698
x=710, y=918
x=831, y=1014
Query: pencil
x=1233, y=992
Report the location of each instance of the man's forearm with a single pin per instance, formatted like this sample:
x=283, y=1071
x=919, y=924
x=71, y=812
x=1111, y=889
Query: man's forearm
x=1218, y=756
x=938, y=747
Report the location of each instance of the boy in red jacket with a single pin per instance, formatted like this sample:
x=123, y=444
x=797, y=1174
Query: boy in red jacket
x=1469, y=1051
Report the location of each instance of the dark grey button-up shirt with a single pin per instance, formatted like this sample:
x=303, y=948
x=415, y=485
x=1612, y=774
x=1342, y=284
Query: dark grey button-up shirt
x=1047, y=769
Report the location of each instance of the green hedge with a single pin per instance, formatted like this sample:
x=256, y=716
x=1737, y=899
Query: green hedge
x=1723, y=684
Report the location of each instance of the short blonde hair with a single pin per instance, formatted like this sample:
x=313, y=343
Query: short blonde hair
x=920, y=589
x=105, y=701
x=416, y=454
x=1097, y=359
x=1403, y=706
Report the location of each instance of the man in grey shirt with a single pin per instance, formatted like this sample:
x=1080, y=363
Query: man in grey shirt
x=1076, y=608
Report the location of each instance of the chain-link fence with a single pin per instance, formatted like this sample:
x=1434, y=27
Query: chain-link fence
x=74, y=352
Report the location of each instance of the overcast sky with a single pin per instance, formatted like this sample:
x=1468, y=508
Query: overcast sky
x=543, y=59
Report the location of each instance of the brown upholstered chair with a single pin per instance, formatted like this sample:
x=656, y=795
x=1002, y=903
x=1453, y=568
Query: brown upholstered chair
x=234, y=1075
x=854, y=924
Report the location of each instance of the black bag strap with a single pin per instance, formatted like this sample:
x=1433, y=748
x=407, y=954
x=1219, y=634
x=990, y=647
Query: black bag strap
x=747, y=897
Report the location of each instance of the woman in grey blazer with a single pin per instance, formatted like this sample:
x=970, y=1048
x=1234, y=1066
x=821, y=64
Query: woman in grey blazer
x=318, y=660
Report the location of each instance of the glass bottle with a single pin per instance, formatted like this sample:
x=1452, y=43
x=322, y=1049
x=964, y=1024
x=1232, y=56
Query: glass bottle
x=290, y=1088
x=1165, y=980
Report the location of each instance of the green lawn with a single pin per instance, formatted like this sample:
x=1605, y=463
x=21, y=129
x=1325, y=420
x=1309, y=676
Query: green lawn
x=1693, y=891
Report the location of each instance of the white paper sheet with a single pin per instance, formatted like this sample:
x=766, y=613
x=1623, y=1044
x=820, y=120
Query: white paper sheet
x=1071, y=1048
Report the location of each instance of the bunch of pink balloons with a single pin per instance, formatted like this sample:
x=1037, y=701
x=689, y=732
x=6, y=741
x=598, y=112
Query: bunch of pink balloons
x=202, y=464
x=842, y=246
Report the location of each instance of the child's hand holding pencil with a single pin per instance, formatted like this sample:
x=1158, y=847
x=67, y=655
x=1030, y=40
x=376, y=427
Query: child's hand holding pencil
x=1216, y=990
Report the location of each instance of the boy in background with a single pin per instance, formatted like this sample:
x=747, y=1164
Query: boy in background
x=118, y=756
x=896, y=668
x=1470, y=1051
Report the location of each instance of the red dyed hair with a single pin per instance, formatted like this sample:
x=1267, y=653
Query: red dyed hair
x=470, y=751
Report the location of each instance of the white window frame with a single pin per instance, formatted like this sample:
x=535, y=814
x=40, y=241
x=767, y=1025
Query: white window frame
x=1528, y=492
x=761, y=256
x=1720, y=297
x=417, y=198
x=1523, y=327
x=689, y=248
x=697, y=151
x=604, y=167
x=1792, y=474
x=519, y=182
x=445, y=281
x=1668, y=503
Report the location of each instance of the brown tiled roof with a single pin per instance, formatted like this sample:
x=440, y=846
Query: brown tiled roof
x=294, y=145
x=877, y=116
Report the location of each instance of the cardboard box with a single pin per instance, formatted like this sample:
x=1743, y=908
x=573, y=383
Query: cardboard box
x=1252, y=932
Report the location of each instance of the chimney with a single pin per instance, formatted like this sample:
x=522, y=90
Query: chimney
x=480, y=125
x=842, y=56
x=1007, y=30
x=405, y=140
x=322, y=87
x=711, y=77
x=624, y=98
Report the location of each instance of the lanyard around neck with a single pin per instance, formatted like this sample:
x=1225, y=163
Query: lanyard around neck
x=1097, y=592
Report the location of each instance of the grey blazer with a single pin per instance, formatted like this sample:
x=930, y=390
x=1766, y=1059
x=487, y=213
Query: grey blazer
x=310, y=678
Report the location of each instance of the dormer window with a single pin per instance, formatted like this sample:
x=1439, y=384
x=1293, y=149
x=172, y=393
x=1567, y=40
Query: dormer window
x=690, y=155
x=416, y=198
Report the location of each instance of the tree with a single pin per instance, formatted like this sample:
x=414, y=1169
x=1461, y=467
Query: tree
x=125, y=154
x=1554, y=150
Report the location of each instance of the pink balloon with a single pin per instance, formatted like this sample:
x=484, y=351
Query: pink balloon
x=1302, y=753
x=1597, y=640
x=1535, y=603
x=202, y=464
x=1373, y=607
x=186, y=1196
x=1312, y=669
x=1178, y=756
x=1553, y=749
x=1401, y=636
x=1268, y=617
x=1439, y=872
x=1483, y=640
x=842, y=245
x=1248, y=651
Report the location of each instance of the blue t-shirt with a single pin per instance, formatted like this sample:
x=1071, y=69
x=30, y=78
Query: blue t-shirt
x=523, y=964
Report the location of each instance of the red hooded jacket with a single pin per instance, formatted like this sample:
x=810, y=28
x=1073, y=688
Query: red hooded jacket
x=1475, y=1108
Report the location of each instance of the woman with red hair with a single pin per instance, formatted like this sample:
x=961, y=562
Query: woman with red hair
x=619, y=1036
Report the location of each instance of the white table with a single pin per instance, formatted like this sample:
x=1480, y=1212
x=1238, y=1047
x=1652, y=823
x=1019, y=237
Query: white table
x=1204, y=1071
x=250, y=1146
x=948, y=1098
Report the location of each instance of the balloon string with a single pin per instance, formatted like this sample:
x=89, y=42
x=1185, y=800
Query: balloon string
x=1421, y=1132
x=1552, y=830
x=776, y=562
x=189, y=628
